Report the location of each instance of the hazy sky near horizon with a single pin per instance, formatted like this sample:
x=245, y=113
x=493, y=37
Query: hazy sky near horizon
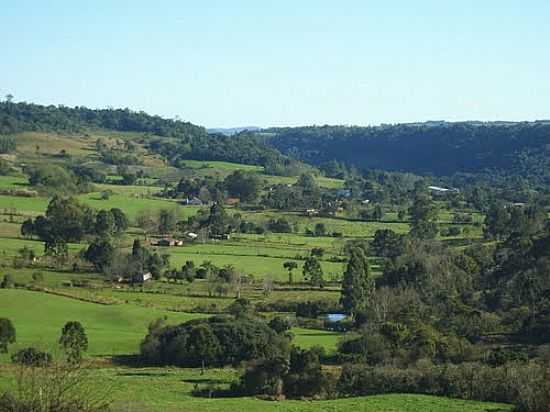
x=240, y=63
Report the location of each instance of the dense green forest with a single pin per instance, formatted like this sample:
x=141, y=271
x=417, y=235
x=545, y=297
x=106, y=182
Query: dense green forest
x=20, y=117
x=438, y=148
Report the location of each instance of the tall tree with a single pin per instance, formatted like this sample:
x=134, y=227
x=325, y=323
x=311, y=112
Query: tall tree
x=290, y=266
x=357, y=284
x=74, y=341
x=167, y=220
x=218, y=220
x=313, y=271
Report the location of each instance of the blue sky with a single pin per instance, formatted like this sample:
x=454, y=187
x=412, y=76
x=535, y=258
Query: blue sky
x=301, y=62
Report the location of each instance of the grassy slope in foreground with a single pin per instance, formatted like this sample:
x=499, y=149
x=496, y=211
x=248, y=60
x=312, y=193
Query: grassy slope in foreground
x=169, y=390
x=112, y=329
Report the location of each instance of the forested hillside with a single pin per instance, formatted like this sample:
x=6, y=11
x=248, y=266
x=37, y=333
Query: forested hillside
x=438, y=148
x=20, y=117
x=176, y=140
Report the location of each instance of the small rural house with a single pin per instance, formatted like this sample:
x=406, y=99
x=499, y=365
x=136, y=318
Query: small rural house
x=194, y=201
x=442, y=190
x=311, y=212
x=143, y=277
x=225, y=236
x=169, y=242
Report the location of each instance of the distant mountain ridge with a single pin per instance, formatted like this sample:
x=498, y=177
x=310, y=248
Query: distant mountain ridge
x=431, y=148
x=438, y=148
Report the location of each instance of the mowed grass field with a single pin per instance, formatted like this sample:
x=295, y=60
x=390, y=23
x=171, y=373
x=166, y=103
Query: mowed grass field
x=112, y=329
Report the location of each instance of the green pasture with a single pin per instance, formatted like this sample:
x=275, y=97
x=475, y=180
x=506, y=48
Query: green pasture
x=219, y=167
x=112, y=329
x=129, y=200
x=24, y=205
x=222, y=169
x=9, y=247
x=348, y=227
x=13, y=182
x=51, y=278
x=132, y=205
x=246, y=249
x=259, y=266
x=306, y=338
x=170, y=390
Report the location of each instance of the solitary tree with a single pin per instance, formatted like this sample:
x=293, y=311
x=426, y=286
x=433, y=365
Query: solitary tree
x=74, y=341
x=357, y=285
x=167, y=221
x=217, y=221
x=313, y=272
x=7, y=334
x=290, y=265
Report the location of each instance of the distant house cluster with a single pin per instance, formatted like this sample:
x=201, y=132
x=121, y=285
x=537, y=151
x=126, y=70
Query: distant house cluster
x=192, y=201
x=169, y=242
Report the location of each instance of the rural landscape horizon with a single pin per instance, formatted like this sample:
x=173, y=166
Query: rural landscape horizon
x=296, y=207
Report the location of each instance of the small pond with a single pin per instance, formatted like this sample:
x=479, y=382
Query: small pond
x=335, y=317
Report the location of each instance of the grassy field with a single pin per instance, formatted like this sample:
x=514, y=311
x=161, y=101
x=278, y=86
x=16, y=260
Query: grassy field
x=222, y=169
x=306, y=338
x=258, y=266
x=348, y=227
x=36, y=143
x=132, y=205
x=170, y=390
x=111, y=329
x=130, y=199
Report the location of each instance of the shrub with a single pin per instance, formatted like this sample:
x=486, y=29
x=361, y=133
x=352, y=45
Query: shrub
x=525, y=385
x=213, y=341
x=32, y=357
